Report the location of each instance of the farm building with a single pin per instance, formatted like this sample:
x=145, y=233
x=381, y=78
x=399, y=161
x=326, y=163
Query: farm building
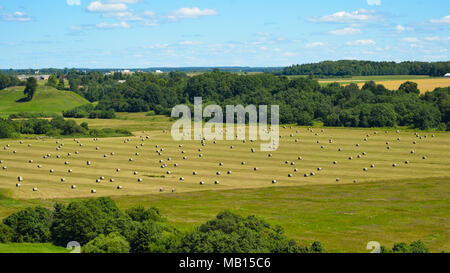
x=447, y=75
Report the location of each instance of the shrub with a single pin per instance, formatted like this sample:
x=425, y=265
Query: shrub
x=112, y=243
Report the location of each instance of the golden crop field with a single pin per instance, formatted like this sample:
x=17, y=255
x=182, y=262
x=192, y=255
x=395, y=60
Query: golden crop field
x=341, y=154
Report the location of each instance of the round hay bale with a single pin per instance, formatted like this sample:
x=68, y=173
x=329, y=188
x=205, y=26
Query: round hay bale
x=97, y=181
x=295, y=170
x=340, y=150
x=111, y=180
x=194, y=173
x=63, y=179
x=355, y=181
x=200, y=155
x=139, y=180
x=102, y=178
x=20, y=179
x=4, y=168
x=35, y=189
x=52, y=171
x=424, y=157
x=73, y=187
x=112, y=153
x=181, y=179
x=394, y=165
x=357, y=145
x=66, y=163
x=350, y=158
x=216, y=182
x=372, y=165
x=388, y=147
x=290, y=175
x=292, y=163
x=130, y=159
x=365, y=169
x=184, y=157
x=18, y=185
x=243, y=163
x=319, y=169
x=358, y=156
x=119, y=187
x=299, y=158
x=412, y=151
x=175, y=165
x=135, y=173
x=217, y=173
x=255, y=169
x=202, y=183
x=364, y=153
x=335, y=162
x=30, y=161
x=69, y=171
x=118, y=170
x=274, y=181
x=229, y=172
x=269, y=155
x=105, y=156
x=338, y=179
x=406, y=162
x=306, y=175
x=93, y=191
x=168, y=172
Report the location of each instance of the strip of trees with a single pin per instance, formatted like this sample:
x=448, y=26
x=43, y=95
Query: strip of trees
x=100, y=227
x=368, y=68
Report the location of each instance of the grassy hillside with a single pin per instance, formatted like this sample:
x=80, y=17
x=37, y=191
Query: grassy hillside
x=46, y=100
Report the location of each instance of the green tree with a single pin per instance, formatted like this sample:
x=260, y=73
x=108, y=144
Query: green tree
x=31, y=225
x=409, y=87
x=52, y=81
x=30, y=88
x=6, y=233
x=112, y=243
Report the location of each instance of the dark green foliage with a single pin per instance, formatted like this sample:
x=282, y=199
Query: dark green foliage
x=8, y=81
x=31, y=225
x=6, y=234
x=112, y=243
x=52, y=81
x=231, y=233
x=366, y=68
x=30, y=88
x=154, y=237
x=414, y=247
x=8, y=129
x=409, y=87
x=83, y=221
x=141, y=214
x=89, y=111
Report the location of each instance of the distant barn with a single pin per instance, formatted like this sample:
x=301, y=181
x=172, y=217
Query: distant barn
x=447, y=75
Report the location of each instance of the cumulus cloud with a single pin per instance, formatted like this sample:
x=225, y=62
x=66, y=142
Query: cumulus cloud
x=314, y=44
x=346, y=31
x=191, y=13
x=357, y=16
x=17, y=16
x=374, y=2
x=188, y=42
x=361, y=42
x=73, y=2
x=443, y=20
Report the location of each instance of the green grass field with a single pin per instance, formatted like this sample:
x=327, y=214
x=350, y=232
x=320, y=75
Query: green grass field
x=31, y=248
x=388, y=204
x=46, y=100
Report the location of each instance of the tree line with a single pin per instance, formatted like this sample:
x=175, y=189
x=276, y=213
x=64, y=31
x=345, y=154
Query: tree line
x=302, y=100
x=100, y=227
x=344, y=68
x=57, y=126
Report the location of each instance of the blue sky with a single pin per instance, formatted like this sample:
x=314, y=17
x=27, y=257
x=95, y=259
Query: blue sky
x=175, y=33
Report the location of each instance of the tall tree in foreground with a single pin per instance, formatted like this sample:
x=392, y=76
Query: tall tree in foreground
x=30, y=88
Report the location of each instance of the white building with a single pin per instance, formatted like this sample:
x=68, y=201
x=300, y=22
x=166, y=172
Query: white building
x=447, y=75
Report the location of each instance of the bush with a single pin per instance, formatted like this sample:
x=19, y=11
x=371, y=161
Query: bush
x=418, y=247
x=154, y=237
x=112, y=243
x=31, y=225
x=140, y=214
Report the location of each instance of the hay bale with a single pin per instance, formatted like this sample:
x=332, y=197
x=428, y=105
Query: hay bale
x=319, y=169
x=255, y=169
x=290, y=175
x=202, y=183
x=292, y=163
x=424, y=157
x=299, y=158
x=4, y=168
x=20, y=179
x=394, y=165
x=269, y=155
x=217, y=173
x=118, y=170
x=355, y=181
x=18, y=185
x=119, y=187
x=338, y=179
x=30, y=161
x=350, y=158
x=52, y=171
x=130, y=159
x=35, y=189
x=243, y=163
x=364, y=153
x=111, y=180
x=229, y=172
x=412, y=152
x=102, y=178
x=63, y=179
x=372, y=165
x=69, y=171
x=194, y=173
x=295, y=170
x=274, y=181
x=168, y=172
x=73, y=187
x=93, y=191
x=184, y=157
x=139, y=180
x=365, y=169
x=406, y=162
x=97, y=181
x=306, y=175
x=335, y=162
x=216, y=182
x=175, y=165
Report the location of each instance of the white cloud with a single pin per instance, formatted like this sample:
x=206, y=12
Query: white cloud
x=361, y=42
x=346, y=31
x=410, y=39
x=401, y=28
x=98, y=6
x=191, y=13
x=374, y=2
x=443, y=20
x=16, y=16
x=357, y=16
x=314, y=44
x=124, y=1
x=188, y=42
x=113, y=25
x=73, y=2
